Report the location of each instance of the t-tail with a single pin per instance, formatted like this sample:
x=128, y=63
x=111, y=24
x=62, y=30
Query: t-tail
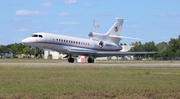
x=116, y=28
x=112, y=35
x=114, y=32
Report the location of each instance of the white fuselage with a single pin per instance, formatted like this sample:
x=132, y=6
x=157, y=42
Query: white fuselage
x=62, y=43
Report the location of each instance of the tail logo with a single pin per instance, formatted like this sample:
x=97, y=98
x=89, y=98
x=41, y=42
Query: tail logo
x=116, y=29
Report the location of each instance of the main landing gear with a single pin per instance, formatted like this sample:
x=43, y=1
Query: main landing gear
x=71, y=60
x=90, y=60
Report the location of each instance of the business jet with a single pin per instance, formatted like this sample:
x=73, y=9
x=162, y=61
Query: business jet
x=98, y=45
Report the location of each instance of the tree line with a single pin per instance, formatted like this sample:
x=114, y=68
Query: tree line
x=19, y=48
x=163, y=49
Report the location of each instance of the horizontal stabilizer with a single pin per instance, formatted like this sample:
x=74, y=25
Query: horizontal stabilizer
x=125, y=37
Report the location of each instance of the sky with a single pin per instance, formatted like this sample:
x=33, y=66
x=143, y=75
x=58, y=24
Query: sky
x=150, y=20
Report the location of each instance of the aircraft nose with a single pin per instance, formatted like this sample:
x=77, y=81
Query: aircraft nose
x=28, y=41
x=23, y=41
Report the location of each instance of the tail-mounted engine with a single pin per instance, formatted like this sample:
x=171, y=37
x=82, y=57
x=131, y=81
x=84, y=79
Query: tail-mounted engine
x=104, y=44
x=97, y=36
x=101, y=44
x=107, y=45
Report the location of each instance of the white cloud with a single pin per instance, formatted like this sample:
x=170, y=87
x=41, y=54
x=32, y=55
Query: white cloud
x=70, y=1
x=63, y=14
x=68, y=23
x=88, y=5
x=46, y=5
x=30, y=13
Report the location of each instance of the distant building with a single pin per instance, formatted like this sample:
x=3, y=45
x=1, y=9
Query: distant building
x=6, y=55
x=49, y=54
x=127, y=57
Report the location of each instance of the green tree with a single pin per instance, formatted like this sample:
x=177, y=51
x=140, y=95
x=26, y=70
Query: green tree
x=161, y=49
x=137, y=47
x=173, y=48
x=26, y=50
x=16, y=48
x=150, y=46
x=4, y=49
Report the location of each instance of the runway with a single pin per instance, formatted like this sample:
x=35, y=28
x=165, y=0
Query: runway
x=105, y=64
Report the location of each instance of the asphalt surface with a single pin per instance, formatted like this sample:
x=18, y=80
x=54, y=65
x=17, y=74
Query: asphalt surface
x=129, y=64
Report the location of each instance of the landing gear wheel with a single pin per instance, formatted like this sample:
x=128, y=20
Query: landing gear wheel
x=71, y=60
x=90, y=60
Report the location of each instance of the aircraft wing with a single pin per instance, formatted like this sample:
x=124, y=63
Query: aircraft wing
x=81, y=51
x=105, y=53
x=119, y=53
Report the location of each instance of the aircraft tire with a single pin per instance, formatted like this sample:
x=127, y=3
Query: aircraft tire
x=90, y=60
x=71, y=60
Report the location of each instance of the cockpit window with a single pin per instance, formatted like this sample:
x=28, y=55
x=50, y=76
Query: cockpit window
x=40, y=36
x=35, y=35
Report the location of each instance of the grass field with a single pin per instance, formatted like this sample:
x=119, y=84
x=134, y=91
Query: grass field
x=20, y=82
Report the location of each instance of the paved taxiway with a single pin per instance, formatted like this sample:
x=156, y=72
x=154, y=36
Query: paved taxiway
x=136, y=64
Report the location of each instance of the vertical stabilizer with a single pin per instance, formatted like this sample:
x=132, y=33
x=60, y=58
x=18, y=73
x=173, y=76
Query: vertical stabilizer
x=114, y=31
x=116, y=28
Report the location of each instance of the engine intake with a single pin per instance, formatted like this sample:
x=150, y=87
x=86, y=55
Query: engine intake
x=101, y=44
